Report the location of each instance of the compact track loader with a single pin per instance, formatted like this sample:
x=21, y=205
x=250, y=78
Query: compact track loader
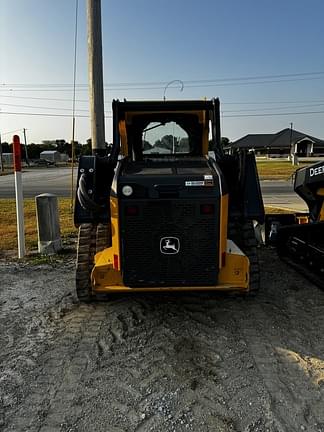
x=164, y=208
x=299, y=238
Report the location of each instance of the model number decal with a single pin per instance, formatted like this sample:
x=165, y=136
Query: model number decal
x=200, y=183
x=195, y=183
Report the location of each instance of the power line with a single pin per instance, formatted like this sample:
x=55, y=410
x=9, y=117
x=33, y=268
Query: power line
x=163, y=83
x=274, y=114
x=44, y=98
x=45, y=114
x=11, y=132
x=273, y=102
x=109, y=116
x=39, y=107
x=223, y=103
x=273, y=108
x=109, y=111
x=224, y=83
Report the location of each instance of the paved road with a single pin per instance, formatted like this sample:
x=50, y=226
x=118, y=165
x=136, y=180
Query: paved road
x=39, y=180
x=281, y=194
x=58, y=181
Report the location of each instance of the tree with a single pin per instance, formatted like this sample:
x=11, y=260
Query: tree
x=86, y=149
x=146, y=145
x=183, y=145
x=6, y=148
x=167, y=142
x=224, y=142
x=62, y=146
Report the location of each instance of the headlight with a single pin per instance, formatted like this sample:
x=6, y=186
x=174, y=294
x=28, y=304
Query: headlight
x=127, y=190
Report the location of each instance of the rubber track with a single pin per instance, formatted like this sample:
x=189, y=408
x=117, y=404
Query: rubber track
x=85, y=254
x=103, y=238
x=303, y=270
x=92, y=239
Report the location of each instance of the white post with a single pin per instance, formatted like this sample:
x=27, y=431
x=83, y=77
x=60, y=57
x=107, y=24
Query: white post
x=48, y=224
x=19, y=197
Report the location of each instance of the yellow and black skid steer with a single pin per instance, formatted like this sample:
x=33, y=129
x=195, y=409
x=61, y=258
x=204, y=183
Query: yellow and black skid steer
x=163, y=208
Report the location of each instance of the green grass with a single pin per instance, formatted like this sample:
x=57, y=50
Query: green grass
x=8, y=225
x=277, y=170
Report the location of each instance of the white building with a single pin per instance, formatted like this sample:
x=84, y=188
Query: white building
x=50, y=155
x=7, y=158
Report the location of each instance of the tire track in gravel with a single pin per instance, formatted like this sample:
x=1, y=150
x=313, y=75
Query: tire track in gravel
x=136, y=385
x=29, y=320
x=184, y=362
x=169, y=372
x=282, y=331
x=53, y=393
x=225, y=371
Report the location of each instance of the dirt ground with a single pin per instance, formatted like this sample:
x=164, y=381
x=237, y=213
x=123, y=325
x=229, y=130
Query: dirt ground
x=139, y=363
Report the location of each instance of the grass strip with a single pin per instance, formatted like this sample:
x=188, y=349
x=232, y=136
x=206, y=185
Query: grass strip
x=277, y=170
x=8, y=223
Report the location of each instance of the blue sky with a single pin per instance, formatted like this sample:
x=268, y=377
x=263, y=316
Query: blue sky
x=258, y=56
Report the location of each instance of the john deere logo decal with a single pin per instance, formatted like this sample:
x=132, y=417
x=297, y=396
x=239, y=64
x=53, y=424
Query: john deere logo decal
x=169, y=245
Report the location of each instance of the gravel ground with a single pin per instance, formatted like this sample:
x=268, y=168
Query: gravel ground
x=139, y=363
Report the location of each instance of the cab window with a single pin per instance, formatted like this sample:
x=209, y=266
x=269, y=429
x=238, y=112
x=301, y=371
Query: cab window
x=165, y=138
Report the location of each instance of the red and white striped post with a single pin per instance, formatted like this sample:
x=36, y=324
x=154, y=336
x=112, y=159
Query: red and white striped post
x=19, y=197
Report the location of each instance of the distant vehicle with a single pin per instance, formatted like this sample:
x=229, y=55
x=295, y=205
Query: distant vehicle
x=44, y=162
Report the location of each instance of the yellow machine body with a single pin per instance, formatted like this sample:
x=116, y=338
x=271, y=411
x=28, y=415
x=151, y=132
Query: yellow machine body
x=233, y=274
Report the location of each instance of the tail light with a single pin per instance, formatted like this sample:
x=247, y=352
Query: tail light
x=207, y=209
x=223, y=259
x=131, y=210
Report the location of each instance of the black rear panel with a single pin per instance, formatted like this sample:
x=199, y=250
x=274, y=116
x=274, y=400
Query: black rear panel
x=169, y=242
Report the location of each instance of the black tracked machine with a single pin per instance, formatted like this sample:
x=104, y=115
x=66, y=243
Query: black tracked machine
x=299, y=238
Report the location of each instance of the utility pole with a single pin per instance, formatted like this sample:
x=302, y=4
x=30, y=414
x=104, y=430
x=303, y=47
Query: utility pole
x=26, y=152
x=293, y=156
x=1, y=160
x=96, y=96
x=290, y=140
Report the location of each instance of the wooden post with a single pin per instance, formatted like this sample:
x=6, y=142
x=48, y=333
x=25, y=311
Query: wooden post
x=1, y=160
x=26, y=151
x=96, y=76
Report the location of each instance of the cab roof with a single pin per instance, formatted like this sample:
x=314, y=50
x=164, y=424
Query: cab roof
x=169, y=105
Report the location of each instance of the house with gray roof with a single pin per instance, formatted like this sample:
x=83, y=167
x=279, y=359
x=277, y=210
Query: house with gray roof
x=286, y=142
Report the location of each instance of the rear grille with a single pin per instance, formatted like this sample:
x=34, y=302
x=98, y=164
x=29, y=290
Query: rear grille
x=143, y=264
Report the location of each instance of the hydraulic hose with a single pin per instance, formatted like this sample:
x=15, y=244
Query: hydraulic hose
x=85, y=201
